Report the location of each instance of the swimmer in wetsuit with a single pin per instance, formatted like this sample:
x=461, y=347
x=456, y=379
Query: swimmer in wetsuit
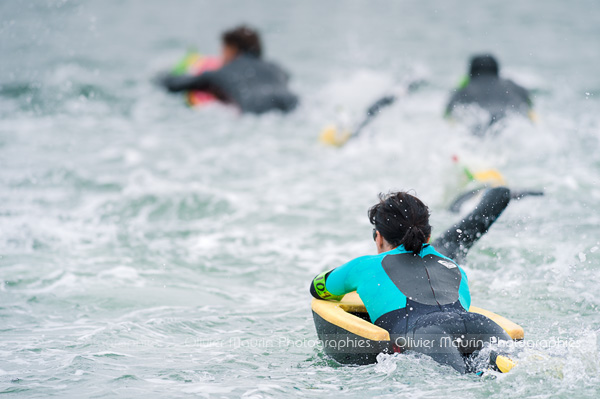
x=421, y=296
x=484, y=88
x=246, y=80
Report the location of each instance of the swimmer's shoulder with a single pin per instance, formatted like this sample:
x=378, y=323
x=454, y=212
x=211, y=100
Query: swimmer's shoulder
x=429, y=249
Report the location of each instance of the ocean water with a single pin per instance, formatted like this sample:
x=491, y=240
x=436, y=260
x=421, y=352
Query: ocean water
x=152, y=250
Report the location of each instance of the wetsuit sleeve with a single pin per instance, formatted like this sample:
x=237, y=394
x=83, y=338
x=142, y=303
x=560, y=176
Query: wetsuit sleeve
x=336, y=283
x=283, y=74
x=188, y=82
x=464, y=294
x=522, y=92
x=525, y=94
x=452, y=103
x=318, y=287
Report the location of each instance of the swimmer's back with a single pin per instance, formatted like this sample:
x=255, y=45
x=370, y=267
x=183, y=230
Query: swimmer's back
x=496, y=95
x=255, y=85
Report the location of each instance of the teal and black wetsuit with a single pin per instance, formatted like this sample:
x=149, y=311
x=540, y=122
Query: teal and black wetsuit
x=423, y=300
x=398, y=286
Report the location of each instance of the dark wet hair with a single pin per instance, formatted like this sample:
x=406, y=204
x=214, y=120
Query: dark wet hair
x=484, y=64
x=402, y=219
x=245, y=39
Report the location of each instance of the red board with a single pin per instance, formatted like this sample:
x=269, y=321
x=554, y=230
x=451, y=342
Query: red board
x=199, y=64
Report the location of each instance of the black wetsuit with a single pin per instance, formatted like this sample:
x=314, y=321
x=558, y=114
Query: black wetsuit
x=461, y=332
x=495, y=95
x=423, y=300
x=486, y=90
x=254, y=85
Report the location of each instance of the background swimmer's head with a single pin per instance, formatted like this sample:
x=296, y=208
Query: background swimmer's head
x=484, y=64
x=400, y=219
x=241, y=40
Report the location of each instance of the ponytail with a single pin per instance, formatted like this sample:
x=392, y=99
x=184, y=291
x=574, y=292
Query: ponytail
x=413, y=240
x=402, y=219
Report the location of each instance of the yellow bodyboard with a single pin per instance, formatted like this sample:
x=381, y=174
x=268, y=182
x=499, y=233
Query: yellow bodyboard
x=331, y=136
x=338, y=314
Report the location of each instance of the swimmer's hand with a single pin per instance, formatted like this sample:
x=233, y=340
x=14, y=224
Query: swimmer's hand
x=164, y=79
x=175, y=83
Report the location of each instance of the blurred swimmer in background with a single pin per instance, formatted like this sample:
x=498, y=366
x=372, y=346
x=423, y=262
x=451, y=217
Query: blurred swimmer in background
x=245, y=79
x=485, y=90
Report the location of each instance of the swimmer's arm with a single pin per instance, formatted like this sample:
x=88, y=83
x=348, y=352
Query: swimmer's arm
x=285, y=75
x=187, y=82
x=464, y=294
x=523, y=93
x=451, y=104
x=464, y=82
x=448, y=111
x=318, y=287
x=335, y=283
x=528, y=98
x=449, y=108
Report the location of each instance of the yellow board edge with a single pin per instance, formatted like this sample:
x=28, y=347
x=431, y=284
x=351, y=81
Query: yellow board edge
x=331, y=136
x=514, y=330
x=490, y=176
x=337, y=313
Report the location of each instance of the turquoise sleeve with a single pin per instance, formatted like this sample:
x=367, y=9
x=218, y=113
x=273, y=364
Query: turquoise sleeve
x=344, y=279
x=464, y=294
x=320, y=291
